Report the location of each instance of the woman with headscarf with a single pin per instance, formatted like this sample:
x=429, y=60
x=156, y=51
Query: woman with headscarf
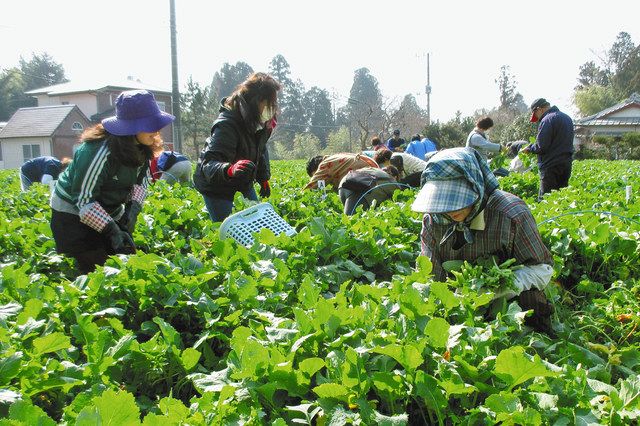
x=467, y=217
x=235, y=156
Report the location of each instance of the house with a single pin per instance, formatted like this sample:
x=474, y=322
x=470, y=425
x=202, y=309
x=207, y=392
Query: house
x=34, y=132
x=614, y=121
x=97, y=100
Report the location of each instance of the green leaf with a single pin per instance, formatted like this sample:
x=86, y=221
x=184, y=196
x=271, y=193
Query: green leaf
x=32, y=309
x=440, y=292
x=189, y=358
x=29, y=414
x=514, y=367
x=110, y=408
x=428, y=389
x=585, y=417
x=9, y=367
x=387, y=382
x=437, y=332
x=408, y=356
x=332, y=390
x=397, y=420
x=51, y=343
x=311, y=366
x=503, y=403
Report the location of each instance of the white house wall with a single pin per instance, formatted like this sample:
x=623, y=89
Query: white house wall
x=85, y=101
x=12, y=150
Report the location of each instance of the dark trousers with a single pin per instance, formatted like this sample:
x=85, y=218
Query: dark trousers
x=349, y=199
x=554, y=177
x=413, y=180
x=75, y=239
x=220, y=208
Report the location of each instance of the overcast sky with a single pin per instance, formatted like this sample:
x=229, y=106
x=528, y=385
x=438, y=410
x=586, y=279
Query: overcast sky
x=324, y=42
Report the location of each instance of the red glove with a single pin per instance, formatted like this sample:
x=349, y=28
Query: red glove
x=271, y=124
x=265, y=189
x=241, y=169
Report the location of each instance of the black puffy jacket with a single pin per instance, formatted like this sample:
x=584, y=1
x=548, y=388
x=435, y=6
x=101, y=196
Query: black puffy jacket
x=231, y=141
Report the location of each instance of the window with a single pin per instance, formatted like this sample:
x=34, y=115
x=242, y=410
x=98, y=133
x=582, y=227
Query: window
x=161, y=105
x=65, y=102
x=30, y=151
x=77, y=127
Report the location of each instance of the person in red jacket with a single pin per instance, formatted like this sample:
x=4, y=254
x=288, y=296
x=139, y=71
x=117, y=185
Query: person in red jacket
x=236, y=156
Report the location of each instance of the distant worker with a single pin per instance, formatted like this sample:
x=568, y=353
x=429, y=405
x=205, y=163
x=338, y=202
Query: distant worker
x=479, y=141
x=467, y=218
x=376, y=144
x=43, y=170
x=361, y=187
x=332, y=168
x=396, y=143
x=554, y=145
x=419, y=147
x=171, y=166
x=410, y=168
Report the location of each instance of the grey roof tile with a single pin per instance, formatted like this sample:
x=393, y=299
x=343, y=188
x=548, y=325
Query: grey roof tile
x=36, y=121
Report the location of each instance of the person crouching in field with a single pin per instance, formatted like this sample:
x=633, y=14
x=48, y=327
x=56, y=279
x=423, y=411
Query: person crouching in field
x=236, y=156
x=44, y=170
x=363, y=186
x=332, y=168
x=467, y=217
x=97, y=199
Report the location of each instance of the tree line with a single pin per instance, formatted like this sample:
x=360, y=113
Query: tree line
x=310, y=123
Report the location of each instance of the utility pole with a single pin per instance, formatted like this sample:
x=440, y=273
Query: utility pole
x=175, y=92
x=428, y=92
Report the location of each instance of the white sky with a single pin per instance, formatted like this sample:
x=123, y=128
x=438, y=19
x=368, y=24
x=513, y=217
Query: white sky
x=324, y=42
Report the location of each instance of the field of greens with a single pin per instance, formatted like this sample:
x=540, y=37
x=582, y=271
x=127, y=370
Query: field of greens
x=340, y=324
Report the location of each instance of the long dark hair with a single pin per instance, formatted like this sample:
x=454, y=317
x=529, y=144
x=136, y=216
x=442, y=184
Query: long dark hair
x=125, y=149
x=247, y=96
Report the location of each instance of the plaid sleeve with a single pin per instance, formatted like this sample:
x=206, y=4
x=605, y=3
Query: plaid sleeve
x=94, y=216
x=429, y=248
x=528, y=248
x=138, y=194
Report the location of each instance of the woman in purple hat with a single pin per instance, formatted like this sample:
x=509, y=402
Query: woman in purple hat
x=235, y=156
x=97, y=199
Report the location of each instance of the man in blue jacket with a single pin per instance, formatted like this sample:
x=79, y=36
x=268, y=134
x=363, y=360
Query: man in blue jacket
x=554, y=145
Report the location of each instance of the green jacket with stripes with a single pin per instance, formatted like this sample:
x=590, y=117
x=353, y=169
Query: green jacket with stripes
x=95, y=175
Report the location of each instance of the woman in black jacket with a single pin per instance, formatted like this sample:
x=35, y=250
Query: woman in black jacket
x=236, y=155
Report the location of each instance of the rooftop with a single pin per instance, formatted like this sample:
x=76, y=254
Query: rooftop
x=36, y=121
x=80, y=87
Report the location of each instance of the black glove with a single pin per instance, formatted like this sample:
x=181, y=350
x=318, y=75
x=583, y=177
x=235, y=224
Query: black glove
x=120, y=241
x=542, y=310
x=130, y=216
x=265, y=189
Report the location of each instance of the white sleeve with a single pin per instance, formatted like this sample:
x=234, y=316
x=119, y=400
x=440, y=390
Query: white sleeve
x=46, y=179
x=528, y=277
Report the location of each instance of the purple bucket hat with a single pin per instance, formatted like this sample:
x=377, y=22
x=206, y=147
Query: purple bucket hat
x=136, y=111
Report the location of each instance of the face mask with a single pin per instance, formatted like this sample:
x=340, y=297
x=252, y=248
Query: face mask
x=267, y=114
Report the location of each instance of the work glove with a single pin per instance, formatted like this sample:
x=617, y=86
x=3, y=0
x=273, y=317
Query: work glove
x=120, y=240
x=542, y=310
x=265, y=189
x=242, y=169
x=130, y=216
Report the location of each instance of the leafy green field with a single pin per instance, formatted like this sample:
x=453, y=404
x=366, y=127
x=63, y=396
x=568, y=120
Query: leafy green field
x=337, y=325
